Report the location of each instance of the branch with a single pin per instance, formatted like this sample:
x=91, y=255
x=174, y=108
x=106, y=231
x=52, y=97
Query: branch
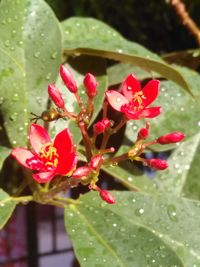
x=185, y=18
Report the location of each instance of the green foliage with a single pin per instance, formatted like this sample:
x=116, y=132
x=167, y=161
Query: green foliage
x=29, y=61
x=140, y=230
x=7, y=206
x=153, y=227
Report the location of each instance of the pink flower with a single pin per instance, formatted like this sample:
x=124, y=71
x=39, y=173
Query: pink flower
x=134, y=100
x=49, y=159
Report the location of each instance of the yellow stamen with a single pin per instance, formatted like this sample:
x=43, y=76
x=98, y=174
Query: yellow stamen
x=49, y=154
x=138, y=97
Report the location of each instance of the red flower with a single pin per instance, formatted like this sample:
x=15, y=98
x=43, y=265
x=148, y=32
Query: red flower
x=134, y=100
x=50, y=159
x=91, y=84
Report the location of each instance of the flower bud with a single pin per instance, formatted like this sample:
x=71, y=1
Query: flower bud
x=56, y=96
x=81, y=172
x=171, y=138
x=90, y=85
x=101, y=126
x=157, y=164
x=68, y=79
x=107, y=197
x=95, y=161
x=143, y=133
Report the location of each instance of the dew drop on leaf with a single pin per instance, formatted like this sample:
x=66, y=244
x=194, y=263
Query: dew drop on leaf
x=171, y=211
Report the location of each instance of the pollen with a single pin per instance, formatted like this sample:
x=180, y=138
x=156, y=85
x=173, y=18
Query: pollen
x=138, y=98
x=49, y=156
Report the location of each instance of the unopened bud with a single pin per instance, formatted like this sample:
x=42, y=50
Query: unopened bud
x=171, y=138
x=101, y=126
x=157, y=164
x=81, y=172
x=95, y=161
x=68, y=79
x=90, y=83
x=107, y=197
x=143, y=133
x=56, y=96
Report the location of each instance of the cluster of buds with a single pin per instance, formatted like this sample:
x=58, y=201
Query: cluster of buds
x=50, y=160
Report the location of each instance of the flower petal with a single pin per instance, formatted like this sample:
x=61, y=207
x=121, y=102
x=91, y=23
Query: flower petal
x=130, y=86
x=66, y=162
x=38, y=137
x=63, y=142
x=43, y=177
x=115, y=99
x=27, y=159
x=150, y=112
x=150, y=92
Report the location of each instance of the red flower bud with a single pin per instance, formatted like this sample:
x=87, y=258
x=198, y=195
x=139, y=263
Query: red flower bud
x=90, y=85
x=171, y=138
x=106, y=122
x=157, y=164
x=95, y=161
x=101, y=126
x=107, y=197
x=68, y=79
x=56, y=96
x=81, y=172
x=143, y=133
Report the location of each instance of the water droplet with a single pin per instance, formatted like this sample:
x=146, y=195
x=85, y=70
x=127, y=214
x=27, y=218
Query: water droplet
x=9, y=20
x=139, y=212
x=36, y=54
x=3, y=22
x=15, y=97
x=48, y=76
x=7, y=43
x=119, y=50
x=114, y=225
x=54, y=55
x=129, y=88
x=171, y=211
x=2, y=204
x=130, y=179
x=32, y=13
x=1, y=100
x=14, y=142
x=118, y=99
x=20, y=129
x=20, y=43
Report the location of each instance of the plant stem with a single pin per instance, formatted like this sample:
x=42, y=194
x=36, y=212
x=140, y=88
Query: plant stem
x=116, y=159
x=86, y=140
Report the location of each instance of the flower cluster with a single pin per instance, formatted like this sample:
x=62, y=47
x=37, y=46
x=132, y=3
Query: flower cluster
x=51, y=160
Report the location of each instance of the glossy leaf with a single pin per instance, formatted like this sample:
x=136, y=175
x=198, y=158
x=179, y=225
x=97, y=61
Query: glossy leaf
x=179, y=111
x=96, y=67
x=182, y=177
x=7, y=206
x=91, y=37
x=131, y=177
x=140, y=230
x=30, y=59
x=4, y=152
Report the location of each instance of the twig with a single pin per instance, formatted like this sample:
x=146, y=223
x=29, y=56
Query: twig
x=186, y=20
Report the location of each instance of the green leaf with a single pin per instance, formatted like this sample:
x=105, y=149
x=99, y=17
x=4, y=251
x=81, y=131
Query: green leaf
x=92, y=37
x=4, y=152
x=179, y=112
x=140, y=230
x=86, y=64
x=7, y=206
x=118, y=72
x=130, y=176
x=182, y=176
x=30, y=58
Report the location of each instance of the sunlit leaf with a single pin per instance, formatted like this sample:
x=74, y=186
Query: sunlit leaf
x=7, y=206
